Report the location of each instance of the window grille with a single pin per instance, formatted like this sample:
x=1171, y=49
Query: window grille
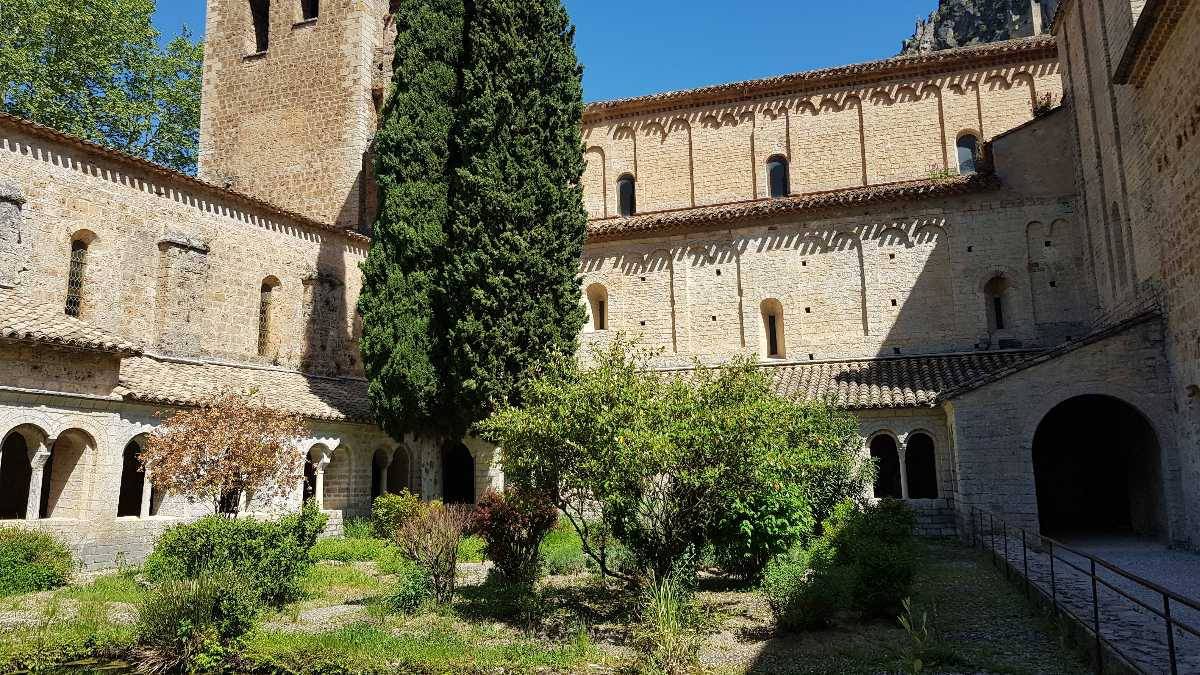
x=264, y=319
x=75, y=277
x=777, y=176
x=626, y=196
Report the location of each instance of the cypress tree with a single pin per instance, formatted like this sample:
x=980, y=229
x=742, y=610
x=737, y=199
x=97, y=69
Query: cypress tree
x=517, y=224
x=413, y=167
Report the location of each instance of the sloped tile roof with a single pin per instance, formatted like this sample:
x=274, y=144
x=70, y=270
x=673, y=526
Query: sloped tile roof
x=24, y=320
x=888, y=383
x=178, y=382
x=759, y=209
x=945, y=60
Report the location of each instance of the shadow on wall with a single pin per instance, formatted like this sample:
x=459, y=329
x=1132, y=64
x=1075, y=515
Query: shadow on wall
x=331, y=325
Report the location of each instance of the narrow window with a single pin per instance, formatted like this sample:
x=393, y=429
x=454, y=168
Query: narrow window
x=597, y=296
x=968, y=153
x=772, y=315
x=133, y=480
x=996, y=291
x=266, y=299
x=79, y=249
x=777, y=176
x=260, y=12
x=773, y=335
x=311, y=9
x=627, y=196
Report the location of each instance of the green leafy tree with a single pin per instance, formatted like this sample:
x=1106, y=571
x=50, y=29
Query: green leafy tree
x=473, y=279
x=95, y=69
x=670, y=466
x=413, y=167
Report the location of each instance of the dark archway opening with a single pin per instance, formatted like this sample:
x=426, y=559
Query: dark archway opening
x=921, y=466
x=458, y=475
x=15, y=473
x=398, y=471
x=133, y=480
x=310, y=480
x=1097, y=470
x=887, y=462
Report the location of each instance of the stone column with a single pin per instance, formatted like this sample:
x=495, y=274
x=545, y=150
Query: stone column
x=37, y=462
x=147, y=494
x=319, y=492
x=902, y=452
x=381, y=488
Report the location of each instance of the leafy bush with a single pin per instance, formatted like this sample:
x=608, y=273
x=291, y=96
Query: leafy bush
x=513, y=525
x=32, y=561
x=344, y=549
x=562, y=550
x=189, y=625
x=876, y=546
x=358, y=528
x=390, y=511
x=413, y=587
x=431, y=539
x=803, y=589
x=271, y=556
x=470, y=549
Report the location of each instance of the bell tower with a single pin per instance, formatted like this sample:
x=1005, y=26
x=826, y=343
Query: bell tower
x=290, y=101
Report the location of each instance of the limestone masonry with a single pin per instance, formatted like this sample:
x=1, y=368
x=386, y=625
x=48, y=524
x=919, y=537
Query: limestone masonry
x=989, y=253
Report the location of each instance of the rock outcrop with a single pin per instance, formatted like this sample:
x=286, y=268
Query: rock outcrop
x=958, y=23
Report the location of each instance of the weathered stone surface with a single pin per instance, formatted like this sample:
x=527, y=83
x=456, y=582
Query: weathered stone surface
x=958, y=23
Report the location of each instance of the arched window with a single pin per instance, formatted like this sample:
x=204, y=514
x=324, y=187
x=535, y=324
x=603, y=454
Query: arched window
x=778, y=178
x=15, y=474
x=260, y=14
x=598, y=303
x=75, y=275
x=968, y=153
x=133, y=481
x=399, y=478
x=996, y=292
x=626, y=196
x=266, y=300
x=772, y=316
x=921, y=467
x=887, y=461
x=311, y=9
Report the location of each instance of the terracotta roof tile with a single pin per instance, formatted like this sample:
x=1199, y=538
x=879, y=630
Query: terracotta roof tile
x=179, y=382
x=24, y=320
x=943, y=60
x=615, y=228
x=888, y=383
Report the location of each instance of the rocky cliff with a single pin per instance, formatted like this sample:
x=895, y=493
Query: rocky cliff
x=957, y=23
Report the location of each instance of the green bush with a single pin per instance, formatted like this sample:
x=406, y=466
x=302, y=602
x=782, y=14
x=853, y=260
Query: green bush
x=413, y=587
x=470, y=549
x=190, y=625
x=390, y=511
x=32, y=561
x=513, y=525
x=358, y=528
x=803, y=589
x=345, y=549
x=271, y=556
x=876, y=547
x=562, y=550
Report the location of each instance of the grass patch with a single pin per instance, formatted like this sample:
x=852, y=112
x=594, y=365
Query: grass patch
x=121, y=587
x=337, y=580
x=429, y=644
x=60, y=638
x=562, y=550
x=346, y=549
x=470, y=550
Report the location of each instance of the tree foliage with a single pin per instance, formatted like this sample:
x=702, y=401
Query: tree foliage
x=672, y=464
x=225, y=447
x=473, y=276
x=95, y=69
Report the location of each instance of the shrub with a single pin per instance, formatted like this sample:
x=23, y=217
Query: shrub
x=803, y=590
x=513, y=525
x=189, y=625
x=665, y=635
x=32, y=561
x=875, y=545
x=390, y=511
x=413, y=587
x=760, y=527
x=431, y=539
x=271, y=556
x=358, y=528
x=562, y=550
x=344, y=549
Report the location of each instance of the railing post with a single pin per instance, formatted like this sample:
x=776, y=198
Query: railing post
x=992, y=538
x=1005, y=537
x=1025, y=562
x=1053, y=580
x=1170, y=634
x=972, y=527
x=1096, y=619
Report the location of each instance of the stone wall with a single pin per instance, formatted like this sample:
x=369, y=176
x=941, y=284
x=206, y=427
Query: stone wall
x=896, y=128
x=14, y=239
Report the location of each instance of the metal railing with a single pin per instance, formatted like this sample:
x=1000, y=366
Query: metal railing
x=987, y=530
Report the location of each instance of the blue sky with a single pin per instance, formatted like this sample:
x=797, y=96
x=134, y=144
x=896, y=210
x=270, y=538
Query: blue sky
x=629, y=48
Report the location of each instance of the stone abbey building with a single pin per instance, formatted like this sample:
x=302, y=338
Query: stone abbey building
x=990, y=254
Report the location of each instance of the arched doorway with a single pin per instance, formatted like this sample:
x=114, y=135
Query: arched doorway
x=1097, y=469
x=15, y=474
x=458, y=475
x=921, y=467
x=887, y=461
x=133, y=480
x=398, y=472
